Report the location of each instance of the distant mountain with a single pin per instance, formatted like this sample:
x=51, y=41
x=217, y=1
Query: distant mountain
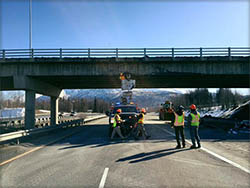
x=143, y=97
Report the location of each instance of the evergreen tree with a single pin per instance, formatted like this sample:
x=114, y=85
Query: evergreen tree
x=95, y=105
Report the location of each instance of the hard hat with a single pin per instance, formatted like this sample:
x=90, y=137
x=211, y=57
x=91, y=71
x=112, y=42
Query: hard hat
x=193, y=107
x=119, y=111
x=180, y=107
x=143, y=110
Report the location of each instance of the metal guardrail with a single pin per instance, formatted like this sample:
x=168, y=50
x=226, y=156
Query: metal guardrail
x=10, y=124
x=124, y=52
x=19, y=134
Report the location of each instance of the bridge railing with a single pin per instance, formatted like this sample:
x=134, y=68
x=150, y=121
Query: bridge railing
x=124, y=52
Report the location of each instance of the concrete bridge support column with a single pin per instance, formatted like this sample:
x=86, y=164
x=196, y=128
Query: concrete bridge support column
x=30, y=98
x=54, y=110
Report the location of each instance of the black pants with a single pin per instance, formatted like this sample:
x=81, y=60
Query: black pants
x=133, y=132
x=141, y=129
x=179, y=130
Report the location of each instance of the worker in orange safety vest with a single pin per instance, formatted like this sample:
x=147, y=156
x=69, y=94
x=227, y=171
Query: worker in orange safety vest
x=140, y=123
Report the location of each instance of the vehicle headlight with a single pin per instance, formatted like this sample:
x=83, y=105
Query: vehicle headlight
x=112, y=120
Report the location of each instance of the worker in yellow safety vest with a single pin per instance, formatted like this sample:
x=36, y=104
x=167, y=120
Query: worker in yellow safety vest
x=178, y=125
x=141, y=129
x=117, y=124
x=194, y=122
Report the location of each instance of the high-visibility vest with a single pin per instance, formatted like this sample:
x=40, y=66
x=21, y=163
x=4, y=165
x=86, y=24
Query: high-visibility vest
x=195, y=119
x=119, y=119
x=179, y=120
x=141, y=120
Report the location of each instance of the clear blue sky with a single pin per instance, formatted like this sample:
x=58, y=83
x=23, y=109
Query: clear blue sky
x=125, y=23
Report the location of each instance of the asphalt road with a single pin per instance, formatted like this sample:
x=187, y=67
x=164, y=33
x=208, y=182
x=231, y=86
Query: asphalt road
x=81, y=160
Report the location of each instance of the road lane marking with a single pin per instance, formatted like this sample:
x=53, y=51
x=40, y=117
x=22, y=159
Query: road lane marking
x=214, y=154
x=35, y=149
x=195, y=162
x=104, y=176
x=40, y=147
x=21, y=155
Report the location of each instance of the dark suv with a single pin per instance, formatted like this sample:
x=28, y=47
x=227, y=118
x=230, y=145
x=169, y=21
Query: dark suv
x=129, y=115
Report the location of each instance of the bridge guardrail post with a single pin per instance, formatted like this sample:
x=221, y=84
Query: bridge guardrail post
x=3, y=54
x=229, y=53
x=172, y=53
x=145, y=54
x=89, y=53
x=32, y=53
x=60, y=53
x=116, y=52
x=201, y=54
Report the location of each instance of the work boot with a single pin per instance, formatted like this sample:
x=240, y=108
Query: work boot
x=183, y=145
x=199, y=145
x=193, y=147
x=178, y=147
x=147, y=137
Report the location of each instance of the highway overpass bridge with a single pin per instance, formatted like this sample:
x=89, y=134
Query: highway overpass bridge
x=48, y=71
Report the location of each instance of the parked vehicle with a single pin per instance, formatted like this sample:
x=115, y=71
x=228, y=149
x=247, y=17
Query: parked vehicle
x=129, y=115
x=166, y=112
x=72, y=113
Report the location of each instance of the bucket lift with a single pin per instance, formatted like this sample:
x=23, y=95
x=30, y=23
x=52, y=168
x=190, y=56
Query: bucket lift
x=126, y=85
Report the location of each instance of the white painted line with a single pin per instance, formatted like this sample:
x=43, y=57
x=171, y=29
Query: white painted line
x=215, y=154
x=40, y=147
x=226, y=160
x=104, y=176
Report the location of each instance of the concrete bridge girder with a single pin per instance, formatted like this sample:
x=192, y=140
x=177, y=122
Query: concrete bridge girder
x=29, y=83
x=111, y=67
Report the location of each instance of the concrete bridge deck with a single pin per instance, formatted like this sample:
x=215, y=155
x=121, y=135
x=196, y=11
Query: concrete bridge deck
x=82, y=73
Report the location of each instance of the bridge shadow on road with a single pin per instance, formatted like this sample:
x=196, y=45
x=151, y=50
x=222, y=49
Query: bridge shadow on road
x=150, y=155
x=92, y=136
x=95, y=136
x=94, y=143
